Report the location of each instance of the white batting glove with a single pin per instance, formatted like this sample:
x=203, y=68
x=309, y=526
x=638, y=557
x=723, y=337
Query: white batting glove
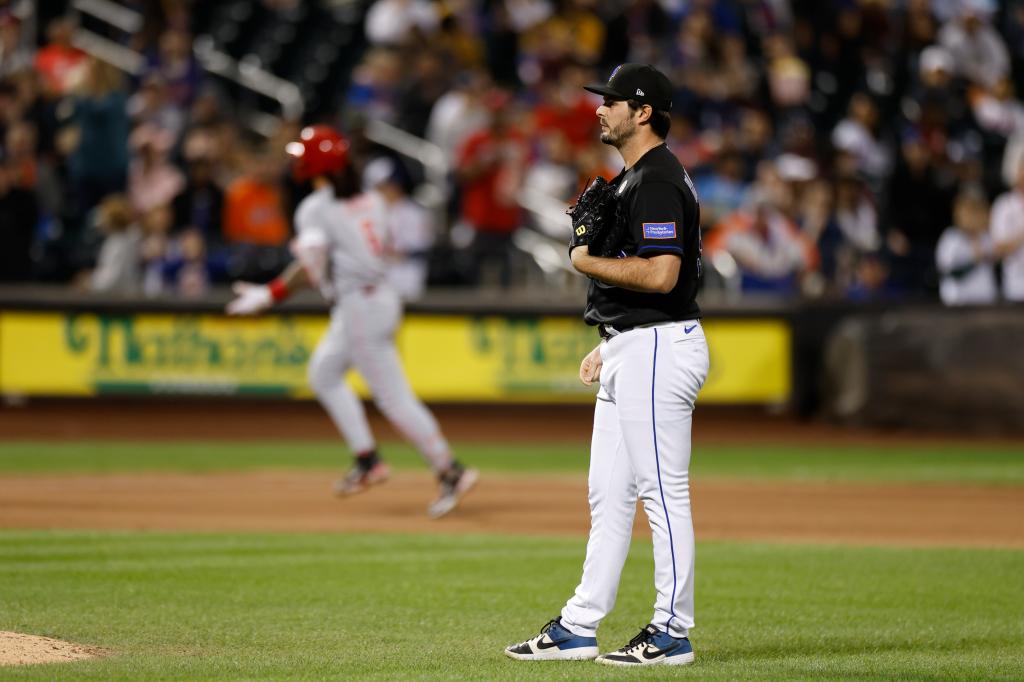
x=250, y=299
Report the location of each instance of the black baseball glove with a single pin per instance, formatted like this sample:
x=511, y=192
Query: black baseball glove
x=593, y=216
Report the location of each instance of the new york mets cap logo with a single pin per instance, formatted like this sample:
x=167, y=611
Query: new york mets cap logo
x=614, y=71
x=659, y=230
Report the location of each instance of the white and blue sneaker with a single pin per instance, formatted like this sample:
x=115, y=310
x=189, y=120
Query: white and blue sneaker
x=554, y=643
x=651, y=647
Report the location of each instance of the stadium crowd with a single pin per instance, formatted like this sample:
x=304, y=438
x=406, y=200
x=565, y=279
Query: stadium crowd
x=854, y=149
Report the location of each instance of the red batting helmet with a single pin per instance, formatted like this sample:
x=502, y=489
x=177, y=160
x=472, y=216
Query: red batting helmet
x=320, y=150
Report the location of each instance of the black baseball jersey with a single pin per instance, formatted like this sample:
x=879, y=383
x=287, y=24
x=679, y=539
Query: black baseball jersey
x=663, y=218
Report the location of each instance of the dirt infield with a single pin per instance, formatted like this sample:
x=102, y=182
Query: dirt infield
x=19, y=649
x=300, y=501
x=956, y=515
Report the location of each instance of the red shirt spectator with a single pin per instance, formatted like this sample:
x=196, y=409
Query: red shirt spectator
x=491, y=163
x=59, y=62
x=576, y=120
x=253, y=211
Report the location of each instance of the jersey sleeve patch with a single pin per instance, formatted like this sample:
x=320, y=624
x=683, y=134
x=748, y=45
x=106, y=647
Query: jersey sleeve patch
x=660, y=230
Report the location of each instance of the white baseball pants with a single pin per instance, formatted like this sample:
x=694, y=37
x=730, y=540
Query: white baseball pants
x=362, y=334
x=641, y=450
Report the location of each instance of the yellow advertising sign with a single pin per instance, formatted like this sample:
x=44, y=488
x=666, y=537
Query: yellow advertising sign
x=447, y=358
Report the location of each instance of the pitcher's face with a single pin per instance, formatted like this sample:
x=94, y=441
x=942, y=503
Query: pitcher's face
x=618, y=122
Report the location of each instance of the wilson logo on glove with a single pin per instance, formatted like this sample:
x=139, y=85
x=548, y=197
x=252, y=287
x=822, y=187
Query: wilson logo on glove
x=594, y=219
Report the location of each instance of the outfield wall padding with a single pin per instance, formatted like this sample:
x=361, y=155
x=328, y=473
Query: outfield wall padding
x=940, y=369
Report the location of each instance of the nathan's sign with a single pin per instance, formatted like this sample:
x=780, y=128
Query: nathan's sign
x=447, y=358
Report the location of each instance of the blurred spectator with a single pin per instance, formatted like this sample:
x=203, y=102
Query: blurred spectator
x=965, y=252
x=695, y=39
x=152, y=106
x=395, y=22
x=200, y=205
x=525, y=14
x=16, y=49
x=871, y=280
x=410, y=228
x=156, y=226
x=255, y=226
x=856, y=219
x=769, y=249
x=978, y=51
x=693, y=148
x=857, y=135
x=30, y=171
x=501, y=24
x=490, y=171
x=98, y=135
x=19, y=144
x=1008, y=234
x=153, y=180
x=789, y=77
x=19, y=214
x=721, y=190
x=936, y=106
x=458, y=45
x=919, y=203
x=935, y=66
x=222, y=143
x=1000, y=118
x=565, y=107
x=638, y=34
x=1013, y=158
x=174, y=64
x=422, y=87
x=573, y=34
x=920, y=26
x=593, y=161
x=738, y=79
x=375, y=83
x=28, y=104
x=10, y=112
x=821, y=89
x=998, y=110
x=119, y=264
x=459, y=113
x=815, y=217
x=1013, y=30
x=208, y=109
x=553, y=173
x=186, y=270
x=58, y=62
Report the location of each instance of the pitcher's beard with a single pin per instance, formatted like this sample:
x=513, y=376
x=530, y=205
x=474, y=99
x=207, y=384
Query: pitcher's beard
x=617, y=137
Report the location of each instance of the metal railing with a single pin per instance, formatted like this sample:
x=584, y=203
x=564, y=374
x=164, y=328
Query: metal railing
x=244, y=73
x=436, y=168
x=544, y=245
x=107, y=50
x=118, y=16
x=248, y=74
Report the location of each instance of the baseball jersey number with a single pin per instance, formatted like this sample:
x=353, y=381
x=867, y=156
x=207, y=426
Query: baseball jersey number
x=371, y=237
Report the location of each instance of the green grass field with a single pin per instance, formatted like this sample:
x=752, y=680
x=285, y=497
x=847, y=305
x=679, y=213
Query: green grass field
x=988, y=464
x=213, y=606
x=348, y=606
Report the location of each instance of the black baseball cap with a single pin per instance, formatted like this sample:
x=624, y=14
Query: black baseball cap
x=641, y=82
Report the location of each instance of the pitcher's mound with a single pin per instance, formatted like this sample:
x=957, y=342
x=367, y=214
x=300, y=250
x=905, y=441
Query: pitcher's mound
x=19, y=649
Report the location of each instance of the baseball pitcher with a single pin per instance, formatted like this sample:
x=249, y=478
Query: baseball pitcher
x=638, y=239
